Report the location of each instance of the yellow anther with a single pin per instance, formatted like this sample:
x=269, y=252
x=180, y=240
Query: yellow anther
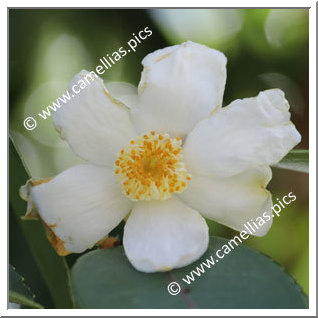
x=151, y=167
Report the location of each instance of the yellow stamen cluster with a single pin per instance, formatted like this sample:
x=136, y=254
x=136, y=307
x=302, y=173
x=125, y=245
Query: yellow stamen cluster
x=151, y=167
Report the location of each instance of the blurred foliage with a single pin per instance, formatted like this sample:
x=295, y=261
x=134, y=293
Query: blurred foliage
x=265, y=49
x=297, y=160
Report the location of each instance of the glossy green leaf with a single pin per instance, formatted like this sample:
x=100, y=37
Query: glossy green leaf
x=242, y=279
x=53, y=268
x=19, y=292
x=297, y=160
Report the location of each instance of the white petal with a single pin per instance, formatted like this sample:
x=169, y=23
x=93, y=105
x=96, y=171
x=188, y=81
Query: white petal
x=247, y=133
x=161, y=235
x=81, y=205
x=124, y=92
x=179, y=86
x=95, y=125
x=234, y=200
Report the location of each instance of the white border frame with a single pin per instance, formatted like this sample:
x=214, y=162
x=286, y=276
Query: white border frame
x=312, y=159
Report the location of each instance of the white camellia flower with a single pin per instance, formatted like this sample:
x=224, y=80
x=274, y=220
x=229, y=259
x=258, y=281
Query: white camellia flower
x=164, y=161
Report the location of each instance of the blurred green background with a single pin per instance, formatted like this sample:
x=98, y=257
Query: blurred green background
x=265, y=49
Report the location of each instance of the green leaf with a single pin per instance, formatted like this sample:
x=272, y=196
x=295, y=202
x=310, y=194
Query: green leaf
x=242, y=279
x=20, y=256
x=297, y=160
x=53, y=268
x=19, y=292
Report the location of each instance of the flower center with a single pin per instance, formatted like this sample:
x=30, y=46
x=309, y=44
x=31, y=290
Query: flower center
x=151, y=167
